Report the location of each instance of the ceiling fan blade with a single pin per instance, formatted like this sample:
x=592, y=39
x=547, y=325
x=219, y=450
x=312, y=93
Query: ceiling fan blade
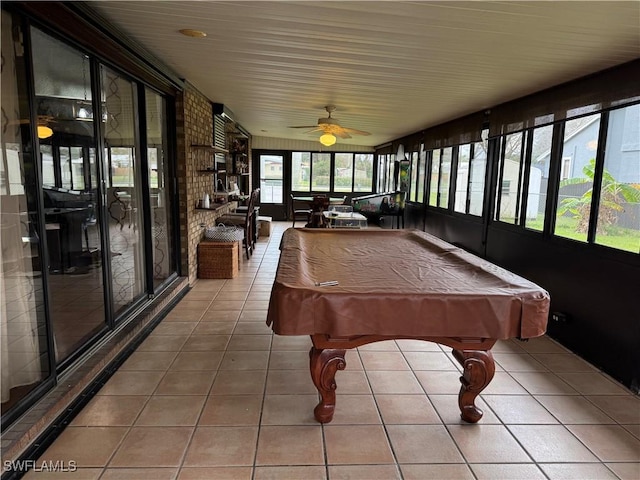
x=342, y=134
x=354, y=131
x=332, y=126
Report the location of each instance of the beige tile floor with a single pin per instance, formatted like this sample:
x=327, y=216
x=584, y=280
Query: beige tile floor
x=212, y=394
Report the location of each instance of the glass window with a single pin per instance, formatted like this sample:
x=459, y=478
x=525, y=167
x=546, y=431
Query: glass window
x=125, y=195
x=321, y=172
x=382, y=170
x=445, y=177
x=343, y=172
x=48, y=168
x=579, y=148
x=363, y=174
x=23, y=342
x=422, y=167
x=435, y=176
x=122, y=166
x=510, y=174
x=462, y=179
x=93, y=169
x=159, y=182
x=413, y=190
x=477, y=174
x=538, y=178
x=73, y=236
x=65, y=167
x=300, y=171
x=271, y=178
x=618, y=222
x=77, y=168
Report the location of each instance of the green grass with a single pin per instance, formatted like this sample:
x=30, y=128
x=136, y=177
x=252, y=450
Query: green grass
x=619, y=238
x=626, y=239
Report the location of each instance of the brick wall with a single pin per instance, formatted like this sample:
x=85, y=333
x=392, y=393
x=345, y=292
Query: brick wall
x=194, y=118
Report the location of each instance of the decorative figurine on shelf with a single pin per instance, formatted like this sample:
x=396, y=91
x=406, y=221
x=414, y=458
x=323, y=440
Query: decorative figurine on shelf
x=241, y=166
x=238, y=147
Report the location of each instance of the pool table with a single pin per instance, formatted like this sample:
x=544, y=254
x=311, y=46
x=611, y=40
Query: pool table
x=347, y=288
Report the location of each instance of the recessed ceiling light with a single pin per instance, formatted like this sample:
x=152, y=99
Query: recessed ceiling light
x=192, y=33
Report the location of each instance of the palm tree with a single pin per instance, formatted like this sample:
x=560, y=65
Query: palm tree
x=613, y=195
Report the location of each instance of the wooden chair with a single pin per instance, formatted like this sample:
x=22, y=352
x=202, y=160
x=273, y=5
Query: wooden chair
x=320, y=204
x=246, y=222
x=300, y=211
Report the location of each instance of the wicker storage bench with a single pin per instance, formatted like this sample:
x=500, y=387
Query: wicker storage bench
x=217, y=259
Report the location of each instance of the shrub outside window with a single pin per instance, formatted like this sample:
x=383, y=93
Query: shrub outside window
x=579, y=149
x=618, y=220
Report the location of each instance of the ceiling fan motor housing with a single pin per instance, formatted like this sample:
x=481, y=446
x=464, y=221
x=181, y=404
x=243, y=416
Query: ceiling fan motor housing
x=328, y=121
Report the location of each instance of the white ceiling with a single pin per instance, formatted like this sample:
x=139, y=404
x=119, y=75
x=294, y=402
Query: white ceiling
x=391, y=68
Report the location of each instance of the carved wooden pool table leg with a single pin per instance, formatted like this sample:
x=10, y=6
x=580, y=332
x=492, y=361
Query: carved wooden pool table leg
x=478, y=369
x=324, y=364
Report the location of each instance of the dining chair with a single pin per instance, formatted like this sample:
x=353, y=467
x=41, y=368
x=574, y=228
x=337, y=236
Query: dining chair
x=245, y=221
x=300, y=210
x=319, y=204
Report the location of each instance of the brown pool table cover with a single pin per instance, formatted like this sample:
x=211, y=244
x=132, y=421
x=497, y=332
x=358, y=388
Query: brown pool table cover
x=398, y=282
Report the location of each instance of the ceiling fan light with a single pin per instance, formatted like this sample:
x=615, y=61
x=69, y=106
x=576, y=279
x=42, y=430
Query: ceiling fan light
x=327, y=139
x=44, y=131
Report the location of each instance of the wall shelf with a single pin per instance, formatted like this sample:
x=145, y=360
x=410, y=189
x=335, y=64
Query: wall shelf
x=213, y=148
x=211, y=209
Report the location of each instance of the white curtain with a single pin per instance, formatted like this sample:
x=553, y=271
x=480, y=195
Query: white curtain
x=19, y=345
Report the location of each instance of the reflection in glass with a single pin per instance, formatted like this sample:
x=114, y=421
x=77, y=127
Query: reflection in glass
x=62, y=78
x=618, y=224
x=65, y=168
x=161, y=232
x=579, y=148
x=23, y=342
x=48, y=169
x=124, y=195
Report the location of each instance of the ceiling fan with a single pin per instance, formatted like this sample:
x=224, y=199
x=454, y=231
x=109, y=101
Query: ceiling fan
x=331, y=128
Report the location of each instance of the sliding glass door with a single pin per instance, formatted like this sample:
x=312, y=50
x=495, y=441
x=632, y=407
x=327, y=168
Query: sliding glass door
x=158, y=171
x=66, y=127
x=124, y=189
x=24, y=345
